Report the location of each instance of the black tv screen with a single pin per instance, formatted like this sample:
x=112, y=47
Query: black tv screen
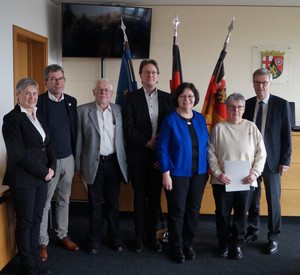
x=95, y=30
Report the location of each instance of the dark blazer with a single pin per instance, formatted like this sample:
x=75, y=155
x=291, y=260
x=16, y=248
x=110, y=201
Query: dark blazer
x=28, y=157
x=71, y=104
x=137, y=124
x=277, y=135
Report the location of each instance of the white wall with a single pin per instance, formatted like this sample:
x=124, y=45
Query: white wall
x=202, y=32
x=38, y=16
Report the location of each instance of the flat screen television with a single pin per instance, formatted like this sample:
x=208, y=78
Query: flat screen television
x=95, y=30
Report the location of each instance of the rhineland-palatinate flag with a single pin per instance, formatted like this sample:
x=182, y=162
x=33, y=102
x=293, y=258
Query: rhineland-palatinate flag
x=125, y=84
x=214, y=108
x=176, y=69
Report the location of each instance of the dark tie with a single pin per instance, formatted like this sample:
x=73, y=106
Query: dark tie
x=259, y=115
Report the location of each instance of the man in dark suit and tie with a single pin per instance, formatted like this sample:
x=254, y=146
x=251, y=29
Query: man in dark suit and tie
x=143, y=112
x=272, y=116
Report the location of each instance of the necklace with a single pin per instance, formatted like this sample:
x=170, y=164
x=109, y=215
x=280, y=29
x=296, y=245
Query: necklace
x=188, y=120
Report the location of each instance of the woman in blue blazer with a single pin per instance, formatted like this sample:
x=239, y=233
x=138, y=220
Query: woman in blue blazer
x=31, y=164
x=182, y=156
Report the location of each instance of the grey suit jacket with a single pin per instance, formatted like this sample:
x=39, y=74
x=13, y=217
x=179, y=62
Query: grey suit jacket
x=88, y=141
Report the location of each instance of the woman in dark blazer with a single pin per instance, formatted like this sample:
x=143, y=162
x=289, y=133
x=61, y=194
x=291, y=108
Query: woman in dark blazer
x=182, y=153
x=30, y=165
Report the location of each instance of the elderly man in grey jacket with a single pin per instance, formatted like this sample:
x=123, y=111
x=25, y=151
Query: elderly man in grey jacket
x=101, y=162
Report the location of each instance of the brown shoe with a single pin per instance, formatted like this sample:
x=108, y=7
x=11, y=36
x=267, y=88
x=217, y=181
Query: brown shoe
x=68, y=244
x=43, y=253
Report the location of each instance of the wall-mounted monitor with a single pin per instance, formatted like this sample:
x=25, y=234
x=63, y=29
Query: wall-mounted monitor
x=95, y=30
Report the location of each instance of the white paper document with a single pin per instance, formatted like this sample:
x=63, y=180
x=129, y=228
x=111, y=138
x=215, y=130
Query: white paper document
x=236, y=170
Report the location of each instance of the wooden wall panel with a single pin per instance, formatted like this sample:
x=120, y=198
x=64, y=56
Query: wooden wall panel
x=289, y=200
x=8, y=247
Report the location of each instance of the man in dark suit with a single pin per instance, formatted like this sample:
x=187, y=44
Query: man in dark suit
x=273, y=120
x=60, y=112
x=143, y=112
x=101, y=162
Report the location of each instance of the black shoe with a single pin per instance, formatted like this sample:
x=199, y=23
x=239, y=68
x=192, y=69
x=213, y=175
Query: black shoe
x=189, y=253
x=93, y=247
x=178, y=256
x=155, y=245
x=236, y=252
x=251, y=236
x=118, y=248
x=223, y=251
x=138, y=245
x=272, y=247
x=43, y=270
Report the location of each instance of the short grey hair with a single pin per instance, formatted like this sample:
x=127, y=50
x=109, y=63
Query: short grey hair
x=24, y=83
x=52, y=69
x=235, y=96
x=104, y=80
x=263, y=71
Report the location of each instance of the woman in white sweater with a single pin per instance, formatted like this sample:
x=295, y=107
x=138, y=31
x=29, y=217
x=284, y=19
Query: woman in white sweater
x=234, y=139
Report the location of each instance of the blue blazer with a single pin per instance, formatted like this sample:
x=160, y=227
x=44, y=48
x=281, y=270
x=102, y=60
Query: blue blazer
x=174, y=145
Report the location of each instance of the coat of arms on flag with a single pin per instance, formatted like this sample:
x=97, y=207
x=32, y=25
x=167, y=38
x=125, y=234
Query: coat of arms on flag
x=273, y=62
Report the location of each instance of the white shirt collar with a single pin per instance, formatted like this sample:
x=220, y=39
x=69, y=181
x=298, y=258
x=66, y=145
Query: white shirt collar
x=23, y=110
x=266, y=100
x=53, y=98
x=99, y=108
x=147, y=92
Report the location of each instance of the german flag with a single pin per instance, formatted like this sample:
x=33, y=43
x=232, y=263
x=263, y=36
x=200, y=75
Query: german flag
x=176, y=69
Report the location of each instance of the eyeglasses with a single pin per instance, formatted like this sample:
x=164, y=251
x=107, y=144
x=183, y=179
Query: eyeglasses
x=100, y=90
x=61, y=79
x=232, y=107
x=263, y=83
x=188, y=97
x=150, y=72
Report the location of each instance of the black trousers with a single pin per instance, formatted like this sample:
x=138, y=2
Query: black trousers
x=147, y=185
x=105, y=191
x=272, y=182
x=230, y=230
x=184, y=202
x=29, y=204
x=254, y=208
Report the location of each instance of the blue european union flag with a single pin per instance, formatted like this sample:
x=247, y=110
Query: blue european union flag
x=125, y=83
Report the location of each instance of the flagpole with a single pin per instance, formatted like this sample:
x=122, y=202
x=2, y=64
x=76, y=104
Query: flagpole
x=176, y=76
x=176, y=23
x=123, y=27
x=230, y=28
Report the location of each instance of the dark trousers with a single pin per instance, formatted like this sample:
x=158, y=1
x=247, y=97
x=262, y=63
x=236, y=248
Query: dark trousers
x=147, y=185
x=230, y=230
x=29, y=204
x=105, y=190
x=272, y=182
x=254, y=208
x=184, y=201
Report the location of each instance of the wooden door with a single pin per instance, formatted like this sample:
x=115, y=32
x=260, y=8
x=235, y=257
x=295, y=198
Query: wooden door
x=30, y=52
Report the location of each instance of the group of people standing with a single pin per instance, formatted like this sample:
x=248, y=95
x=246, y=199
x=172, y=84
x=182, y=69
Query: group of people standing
x=156, y=139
